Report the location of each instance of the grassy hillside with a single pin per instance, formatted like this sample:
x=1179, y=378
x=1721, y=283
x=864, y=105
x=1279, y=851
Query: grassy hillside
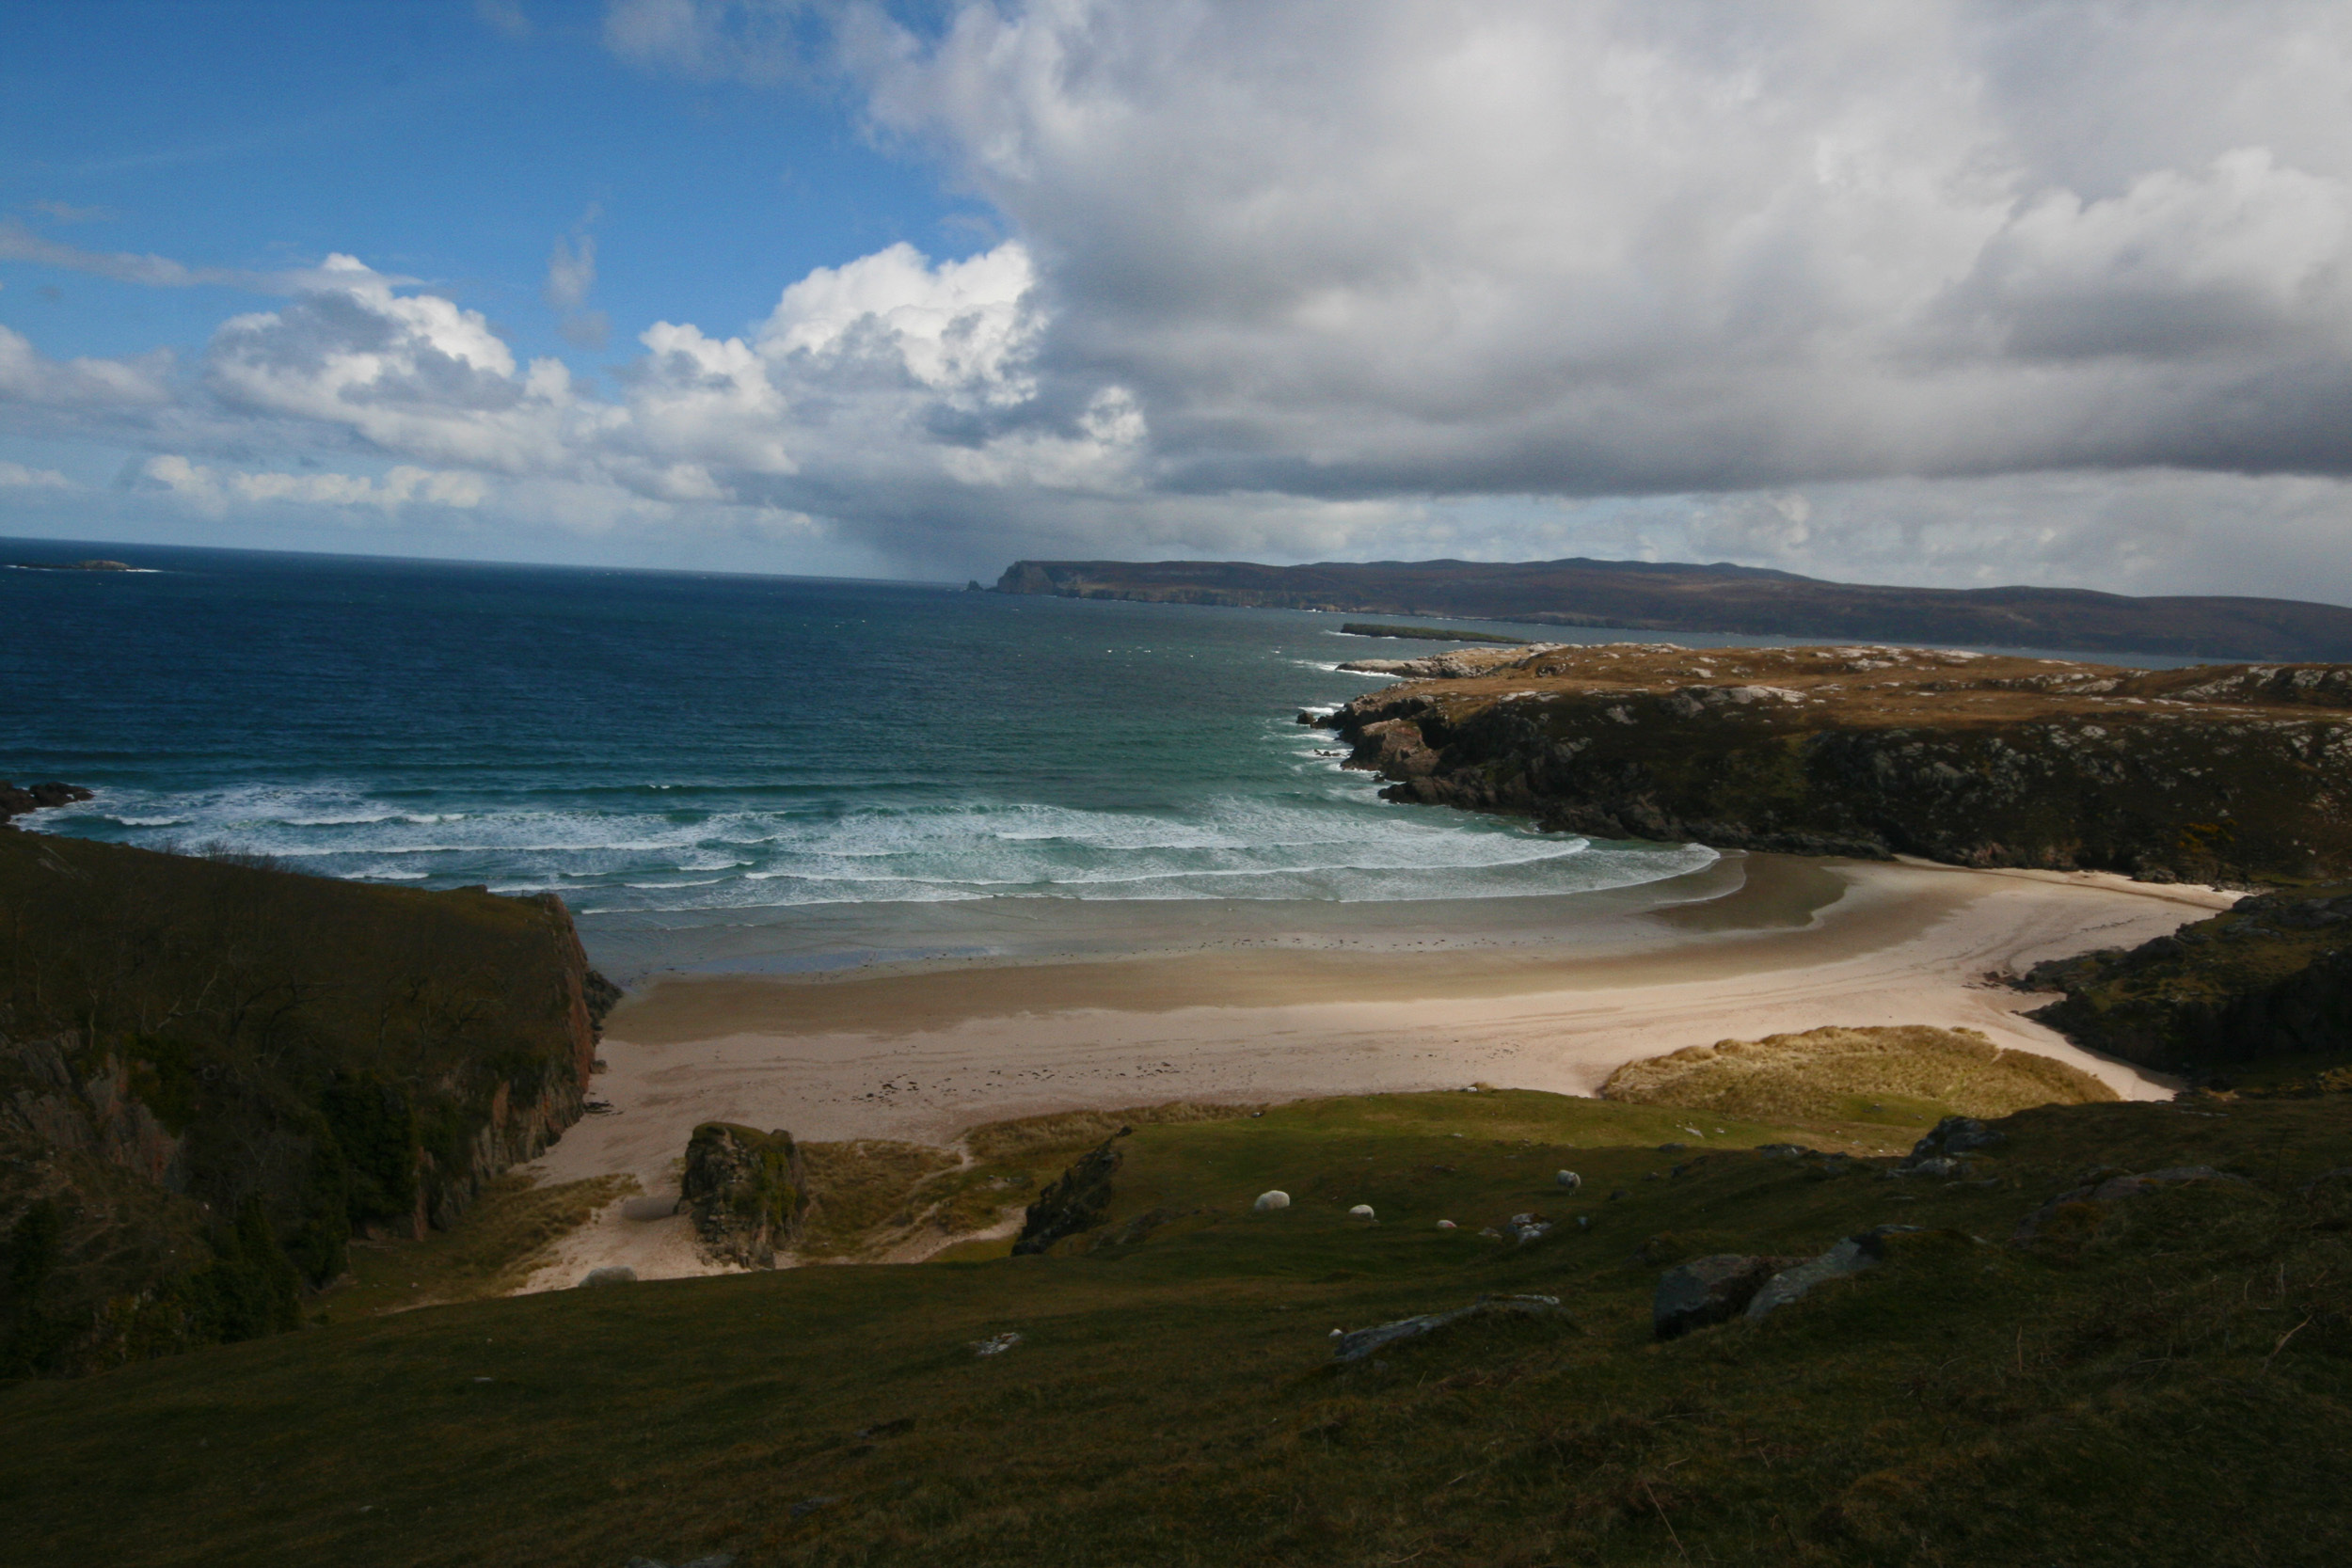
x=213, y=1073
x=2165, y=1379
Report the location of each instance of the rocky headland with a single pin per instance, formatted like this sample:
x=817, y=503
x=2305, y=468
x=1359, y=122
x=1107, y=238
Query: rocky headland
x=215, y=1077
x=2232, y=774
x=15, y=802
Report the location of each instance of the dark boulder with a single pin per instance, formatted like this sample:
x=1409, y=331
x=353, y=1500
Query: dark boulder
x=748, y=1191
x=1711, y=1289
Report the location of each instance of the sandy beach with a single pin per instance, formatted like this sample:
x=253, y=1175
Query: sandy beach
x=922, y=1052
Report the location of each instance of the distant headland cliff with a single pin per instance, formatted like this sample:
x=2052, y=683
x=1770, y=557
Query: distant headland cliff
x=2233, y=774
x=1641, y=596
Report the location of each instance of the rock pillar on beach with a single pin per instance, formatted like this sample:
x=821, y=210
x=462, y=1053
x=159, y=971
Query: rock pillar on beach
x=748, y=1191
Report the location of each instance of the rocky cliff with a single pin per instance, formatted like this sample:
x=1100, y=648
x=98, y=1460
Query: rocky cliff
x=214, y=1075
x=2234, y=774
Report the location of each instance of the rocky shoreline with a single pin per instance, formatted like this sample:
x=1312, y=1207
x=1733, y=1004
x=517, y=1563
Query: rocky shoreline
x=15, y=802
x=2231, y=775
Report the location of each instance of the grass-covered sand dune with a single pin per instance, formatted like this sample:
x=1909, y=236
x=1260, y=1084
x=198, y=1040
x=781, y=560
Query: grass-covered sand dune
x=1855, y=1074
x=2162, y=1379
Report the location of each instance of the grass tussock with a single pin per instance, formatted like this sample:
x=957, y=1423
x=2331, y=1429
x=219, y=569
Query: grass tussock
x=866, y=1192
x=506, y=1234
x=1013, y=1140
x=1833, y=1073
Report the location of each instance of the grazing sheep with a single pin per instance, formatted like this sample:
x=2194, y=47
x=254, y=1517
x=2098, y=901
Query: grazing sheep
x=1269, y=1202
x=1569, y=1180
x=1361, y=1212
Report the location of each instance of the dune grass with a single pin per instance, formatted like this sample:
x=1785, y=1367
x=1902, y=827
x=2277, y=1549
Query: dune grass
x=1907, y=1074
x=504, y=1235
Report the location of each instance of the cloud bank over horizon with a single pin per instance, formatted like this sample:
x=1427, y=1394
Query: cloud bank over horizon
x=1979, y=293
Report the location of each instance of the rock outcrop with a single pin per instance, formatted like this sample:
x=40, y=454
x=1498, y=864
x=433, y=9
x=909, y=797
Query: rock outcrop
x=1075, y=1201
x=2259, y=992
x=747, y=1190
x=1717, y=1289
x=2231, y=775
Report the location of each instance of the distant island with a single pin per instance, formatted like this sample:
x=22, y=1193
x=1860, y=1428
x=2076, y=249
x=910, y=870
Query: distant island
x=73, y=567
x=1654, y=596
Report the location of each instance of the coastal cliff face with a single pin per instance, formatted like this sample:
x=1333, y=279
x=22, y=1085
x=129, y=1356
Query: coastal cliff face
x=214, y=1076
x=2231, y=774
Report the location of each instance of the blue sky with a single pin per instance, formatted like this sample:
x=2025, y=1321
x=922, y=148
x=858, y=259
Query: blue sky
x=1972, y=293
x=427, y=139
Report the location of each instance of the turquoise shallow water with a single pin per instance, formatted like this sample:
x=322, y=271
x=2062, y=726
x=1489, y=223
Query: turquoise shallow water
x=740, y=768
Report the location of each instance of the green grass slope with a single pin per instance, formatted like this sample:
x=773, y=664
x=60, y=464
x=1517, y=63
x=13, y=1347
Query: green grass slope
x=2166, y=1380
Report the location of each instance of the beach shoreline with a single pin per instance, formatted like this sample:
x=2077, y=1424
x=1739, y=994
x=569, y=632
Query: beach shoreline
x=922, y=1052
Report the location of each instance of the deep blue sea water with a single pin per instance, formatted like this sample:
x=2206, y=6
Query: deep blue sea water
x=840, y=769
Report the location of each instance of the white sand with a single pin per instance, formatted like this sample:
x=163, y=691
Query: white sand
x=923, y=1055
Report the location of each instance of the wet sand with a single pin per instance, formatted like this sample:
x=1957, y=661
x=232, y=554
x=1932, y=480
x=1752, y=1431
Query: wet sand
x=1766, y=944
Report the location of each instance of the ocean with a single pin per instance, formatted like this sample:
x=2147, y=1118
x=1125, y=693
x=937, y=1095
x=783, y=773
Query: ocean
x=753, y=772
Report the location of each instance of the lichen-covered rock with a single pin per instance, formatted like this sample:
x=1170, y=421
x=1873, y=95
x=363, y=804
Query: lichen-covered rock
x=1075, y=1202
x=747, y=1190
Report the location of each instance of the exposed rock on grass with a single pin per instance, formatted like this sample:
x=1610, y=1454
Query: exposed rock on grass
x=2082, y=1206
x=1364, y=1341
x=1826, y=1075
x=1942, y=1151
x=748, y=1191
x=1073, y=1203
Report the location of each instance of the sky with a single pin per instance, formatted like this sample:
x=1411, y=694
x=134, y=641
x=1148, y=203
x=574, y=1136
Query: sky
x=1943, y=293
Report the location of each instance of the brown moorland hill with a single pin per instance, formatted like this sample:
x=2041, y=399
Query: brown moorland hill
x=1671, y=596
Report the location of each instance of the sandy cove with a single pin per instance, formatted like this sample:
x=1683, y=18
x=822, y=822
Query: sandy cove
x=923, y=1054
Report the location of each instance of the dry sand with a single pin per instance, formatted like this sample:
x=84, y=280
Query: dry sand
x=921, y=1054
